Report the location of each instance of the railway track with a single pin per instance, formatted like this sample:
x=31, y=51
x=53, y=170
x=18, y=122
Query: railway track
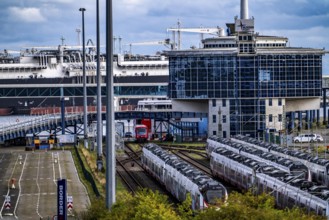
x=203, y=166
x=126, y=176
x=125, y=172
x=183, y=148
x=130, y=170
x=196, y=163
x=198, y=158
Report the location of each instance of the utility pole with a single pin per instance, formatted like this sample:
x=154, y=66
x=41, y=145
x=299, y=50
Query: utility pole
x=99, y=98
x=110, y=148
x=85, y=111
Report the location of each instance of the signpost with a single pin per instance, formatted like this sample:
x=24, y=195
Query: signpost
x=61, y=199
x=69, y=203
x=7, y=202
x=67, y=138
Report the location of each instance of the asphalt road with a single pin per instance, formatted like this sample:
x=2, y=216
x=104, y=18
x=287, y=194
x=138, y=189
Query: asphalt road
x=35, y=174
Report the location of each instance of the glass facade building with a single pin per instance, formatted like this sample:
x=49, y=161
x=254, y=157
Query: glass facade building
x=245, y=79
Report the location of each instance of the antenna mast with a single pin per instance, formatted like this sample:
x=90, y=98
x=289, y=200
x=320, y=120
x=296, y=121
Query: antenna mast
x=78, y=30
x=62, y=39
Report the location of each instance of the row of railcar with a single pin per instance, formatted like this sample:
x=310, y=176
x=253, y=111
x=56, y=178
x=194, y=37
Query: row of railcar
x=180, y=178
x=288, y=190
x=319, y=167
x=290, y=166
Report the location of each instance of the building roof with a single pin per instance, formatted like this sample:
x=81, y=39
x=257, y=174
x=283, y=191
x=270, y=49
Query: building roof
x=290, y=50
x=234, y=51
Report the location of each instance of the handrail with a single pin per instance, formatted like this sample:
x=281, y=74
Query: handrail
x=35, y=122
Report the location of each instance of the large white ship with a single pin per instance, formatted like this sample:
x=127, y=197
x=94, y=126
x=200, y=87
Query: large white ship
x=37, y=78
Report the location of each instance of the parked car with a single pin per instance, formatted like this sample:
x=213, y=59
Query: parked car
x=306, y=138
x=128, y=134
x=319, y=138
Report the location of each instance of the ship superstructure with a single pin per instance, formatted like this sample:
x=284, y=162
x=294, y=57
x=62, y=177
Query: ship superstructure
x=38, y=77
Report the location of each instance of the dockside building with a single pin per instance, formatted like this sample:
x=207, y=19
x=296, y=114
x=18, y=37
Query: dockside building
x=248, y=83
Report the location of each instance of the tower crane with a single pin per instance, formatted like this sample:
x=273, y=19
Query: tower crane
x=165, y=42
x=212, y=31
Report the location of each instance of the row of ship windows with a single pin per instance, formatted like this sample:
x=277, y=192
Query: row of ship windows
x=241, y=45
x=270, y=45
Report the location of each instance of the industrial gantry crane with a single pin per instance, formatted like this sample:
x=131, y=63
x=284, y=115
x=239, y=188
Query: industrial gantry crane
x=165, y=42
x=212, y=31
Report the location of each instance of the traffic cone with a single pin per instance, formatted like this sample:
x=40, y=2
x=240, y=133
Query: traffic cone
x=13, y=183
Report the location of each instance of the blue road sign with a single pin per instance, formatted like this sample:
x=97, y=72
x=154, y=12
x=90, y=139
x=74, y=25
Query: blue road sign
x=61, y=200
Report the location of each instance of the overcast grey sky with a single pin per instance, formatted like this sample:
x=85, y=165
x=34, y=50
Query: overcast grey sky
x=44, y=22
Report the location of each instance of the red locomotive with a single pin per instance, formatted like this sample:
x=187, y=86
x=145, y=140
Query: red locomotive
x=141, y=133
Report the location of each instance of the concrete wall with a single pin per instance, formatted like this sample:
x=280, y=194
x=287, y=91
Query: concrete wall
x=219, y=111
x=275, y=110
x=293, y=105
x=190, y=106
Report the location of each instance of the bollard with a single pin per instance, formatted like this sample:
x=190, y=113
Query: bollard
x=12, y=182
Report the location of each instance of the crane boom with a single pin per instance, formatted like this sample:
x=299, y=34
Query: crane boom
x=165, y=42
x=146, y=43
x=216, y=31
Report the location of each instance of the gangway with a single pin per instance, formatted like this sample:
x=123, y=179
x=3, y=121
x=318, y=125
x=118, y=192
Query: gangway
x=35, y=125
x=53, y=122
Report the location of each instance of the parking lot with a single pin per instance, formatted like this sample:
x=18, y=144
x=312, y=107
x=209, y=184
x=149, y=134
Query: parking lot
x=29, y=180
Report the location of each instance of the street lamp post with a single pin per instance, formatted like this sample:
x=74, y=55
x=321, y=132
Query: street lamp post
x=110, y=147
x=85, y=111
x=99, y=97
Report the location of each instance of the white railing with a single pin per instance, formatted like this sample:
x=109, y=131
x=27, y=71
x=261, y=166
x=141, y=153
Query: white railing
x=37, y=121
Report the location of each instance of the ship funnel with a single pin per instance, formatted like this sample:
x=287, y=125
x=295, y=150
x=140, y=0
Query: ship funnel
x=244, y=13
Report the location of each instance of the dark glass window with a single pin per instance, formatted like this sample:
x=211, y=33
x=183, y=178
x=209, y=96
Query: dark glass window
x=224, y=134
x=280, y=118
x=214, y=103
x=214, y=133
x=270, y=102
x=280, y=102
x=214, y=119
x=224, y=118
x=224, y=102
x=270, y=118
